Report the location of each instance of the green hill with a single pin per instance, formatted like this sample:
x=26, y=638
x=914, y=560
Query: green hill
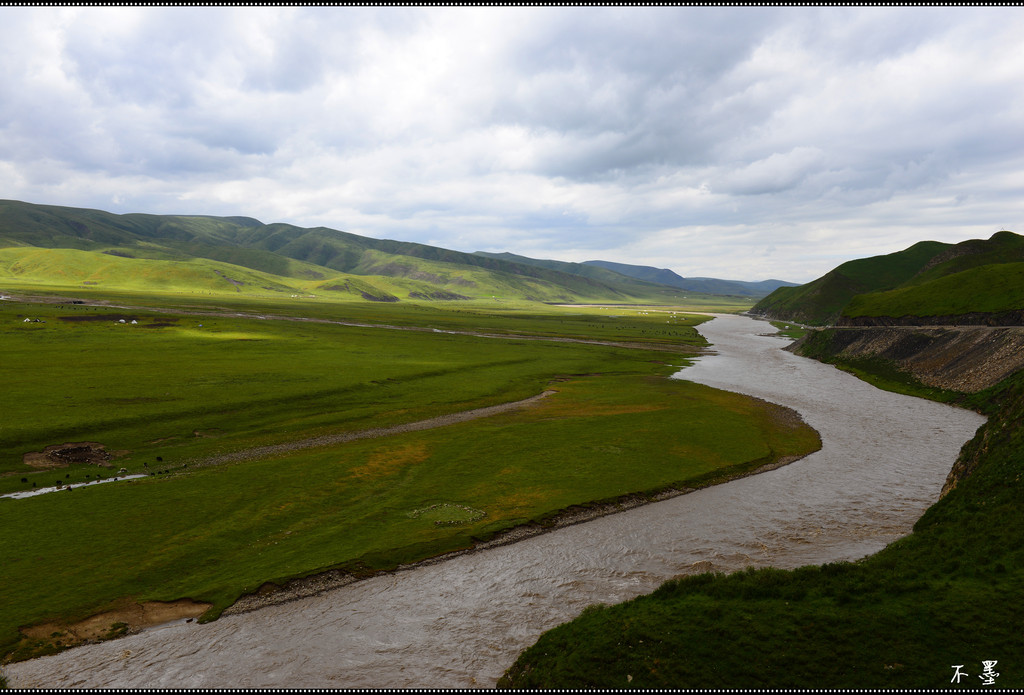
x=607, y=271
x=821, y=301
x=992, y=294
x=1001, y=247
x=947, y=283
x=91, y=268
x=593, y=273
x=290, y=258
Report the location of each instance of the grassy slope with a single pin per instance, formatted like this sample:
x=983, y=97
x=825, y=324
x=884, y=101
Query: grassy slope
x=821, y=301
x=990, y=288
x=309, y=254
x=129, y=387
x=162, y=271
x=582, y=269
x=945, y=595
x=75, y=268
x=928, y=279
x=1001, y=247
x=978, y=275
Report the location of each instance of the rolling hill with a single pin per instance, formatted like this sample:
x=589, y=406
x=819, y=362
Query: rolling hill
x=991, y=294
x=975, y=281
x=599, y=270
x=151, y=252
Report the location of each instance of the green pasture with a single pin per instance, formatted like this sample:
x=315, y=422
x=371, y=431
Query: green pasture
x=789, y=329
x=76, y=268
x=670, y=324
x=180, y=386
x=168, y=391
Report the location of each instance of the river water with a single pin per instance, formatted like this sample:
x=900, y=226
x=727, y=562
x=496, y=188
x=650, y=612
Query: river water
x=462, y=622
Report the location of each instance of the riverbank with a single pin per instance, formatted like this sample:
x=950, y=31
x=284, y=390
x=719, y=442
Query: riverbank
x=131, y=618
x=931, y=359
x=462, y=621
x=900, y=618
x=272, y=594
x=394, y=496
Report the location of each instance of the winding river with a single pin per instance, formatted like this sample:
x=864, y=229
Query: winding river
x=463, y=621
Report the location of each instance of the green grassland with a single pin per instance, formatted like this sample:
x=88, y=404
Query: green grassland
x=77, y=269
x=78, y=374
x=201, y=375
x=789, y=329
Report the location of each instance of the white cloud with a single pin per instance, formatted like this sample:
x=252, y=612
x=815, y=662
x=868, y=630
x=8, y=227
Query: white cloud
x=730, y=142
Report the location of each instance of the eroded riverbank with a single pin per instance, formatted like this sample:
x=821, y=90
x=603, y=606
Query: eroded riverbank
x=461, y=622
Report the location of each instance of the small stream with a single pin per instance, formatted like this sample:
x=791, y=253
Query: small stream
x=35, y=492
x=462, y=622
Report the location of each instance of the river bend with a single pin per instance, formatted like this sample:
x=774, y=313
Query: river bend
x=462, y=622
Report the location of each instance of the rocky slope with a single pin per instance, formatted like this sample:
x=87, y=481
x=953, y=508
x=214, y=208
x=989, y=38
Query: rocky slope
x=966, y=359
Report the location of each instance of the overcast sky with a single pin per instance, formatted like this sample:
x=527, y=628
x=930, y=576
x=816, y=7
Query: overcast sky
x=741, y=143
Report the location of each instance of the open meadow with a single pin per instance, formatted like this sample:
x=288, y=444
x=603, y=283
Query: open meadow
x=182, y=391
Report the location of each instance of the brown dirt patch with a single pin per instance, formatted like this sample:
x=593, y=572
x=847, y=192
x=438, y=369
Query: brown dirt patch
x=161, y=440
x=62, y=455
x=127, y=617
x=578, y=409
x=390, y=460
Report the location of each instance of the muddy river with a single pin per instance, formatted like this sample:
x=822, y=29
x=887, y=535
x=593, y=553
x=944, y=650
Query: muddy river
x=462, y=622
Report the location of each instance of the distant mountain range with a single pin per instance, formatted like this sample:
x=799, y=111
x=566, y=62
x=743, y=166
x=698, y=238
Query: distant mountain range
x=660, y=276
x=979, y=281
x=53, y=245
x=698, y=284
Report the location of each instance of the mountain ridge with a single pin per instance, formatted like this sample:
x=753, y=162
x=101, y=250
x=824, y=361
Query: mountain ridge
x=661, y=276
x=321, y=257
x=929, y=280
x=695, y=284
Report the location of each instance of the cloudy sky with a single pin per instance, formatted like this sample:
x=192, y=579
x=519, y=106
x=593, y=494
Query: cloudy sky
x=742, y=143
